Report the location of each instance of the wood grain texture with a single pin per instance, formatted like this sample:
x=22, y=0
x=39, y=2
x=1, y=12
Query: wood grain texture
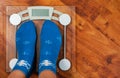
x=98, y=39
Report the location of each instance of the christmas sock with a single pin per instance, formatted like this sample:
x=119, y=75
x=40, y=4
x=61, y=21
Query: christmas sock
x=50, y=44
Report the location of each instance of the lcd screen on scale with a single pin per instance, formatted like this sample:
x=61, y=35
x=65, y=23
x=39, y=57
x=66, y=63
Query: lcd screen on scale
x=40, y=12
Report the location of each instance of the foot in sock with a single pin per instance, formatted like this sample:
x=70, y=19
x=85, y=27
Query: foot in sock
x=25, y=44
x=50, y=43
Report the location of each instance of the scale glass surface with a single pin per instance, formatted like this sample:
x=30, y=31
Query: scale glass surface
x=11, y=30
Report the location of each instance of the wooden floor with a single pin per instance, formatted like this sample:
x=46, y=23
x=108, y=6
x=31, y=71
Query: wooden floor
x=97, y=37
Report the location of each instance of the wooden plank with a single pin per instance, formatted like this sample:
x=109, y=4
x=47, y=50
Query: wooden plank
x=97, y=37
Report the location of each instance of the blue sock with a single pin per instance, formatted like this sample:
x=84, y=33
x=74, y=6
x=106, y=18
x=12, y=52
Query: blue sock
x=50, y=44
x=25, y=44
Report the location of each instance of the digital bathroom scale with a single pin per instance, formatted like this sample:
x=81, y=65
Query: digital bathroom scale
x=47, y=13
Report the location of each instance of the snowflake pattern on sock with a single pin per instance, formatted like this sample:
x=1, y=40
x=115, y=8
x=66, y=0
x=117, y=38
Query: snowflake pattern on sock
x=24, y=64
x=46, y=63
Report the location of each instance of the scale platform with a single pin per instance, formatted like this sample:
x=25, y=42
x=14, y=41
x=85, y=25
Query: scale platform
x=71, y=35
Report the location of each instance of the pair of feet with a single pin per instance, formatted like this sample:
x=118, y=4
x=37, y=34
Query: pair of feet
x=50, y=43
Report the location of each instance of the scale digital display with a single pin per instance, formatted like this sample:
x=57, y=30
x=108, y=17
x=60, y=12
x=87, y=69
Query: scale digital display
x=40, y=12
